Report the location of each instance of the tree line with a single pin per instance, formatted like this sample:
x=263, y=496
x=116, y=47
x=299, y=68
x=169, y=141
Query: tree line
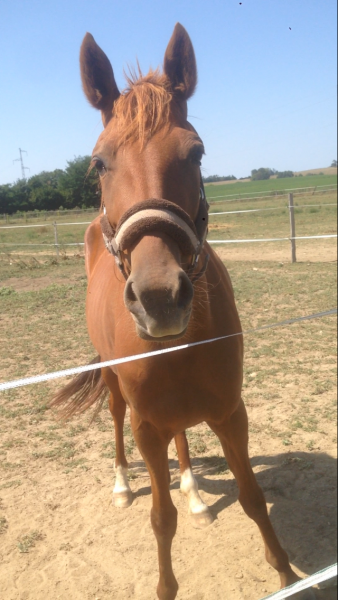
x=213, y=178
x=266, y=173
x=77, y=187
x=74, y=187
x=257, y=175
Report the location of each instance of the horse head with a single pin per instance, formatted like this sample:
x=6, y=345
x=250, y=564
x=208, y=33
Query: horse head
x=148, y=158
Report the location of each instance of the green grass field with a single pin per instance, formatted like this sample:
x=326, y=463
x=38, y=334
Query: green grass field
x=312, y=216
x=316, y=219
x=239, y=189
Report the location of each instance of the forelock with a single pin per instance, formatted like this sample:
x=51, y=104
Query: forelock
x=143, y=108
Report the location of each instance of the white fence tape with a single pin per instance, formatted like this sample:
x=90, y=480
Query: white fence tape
x=305, y=237
x=118, y=361
x=313, y=237
x=251, y=210
x=304, y=584
x=229, y=212
x=247, y=241
x=307, y=205
x=42, y=225
x=80, y=223
x=47, y=245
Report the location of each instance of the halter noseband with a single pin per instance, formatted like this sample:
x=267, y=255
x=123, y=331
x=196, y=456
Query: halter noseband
x=157, y=214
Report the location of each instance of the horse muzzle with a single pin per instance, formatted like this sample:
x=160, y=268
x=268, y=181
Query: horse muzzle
x=161, y=311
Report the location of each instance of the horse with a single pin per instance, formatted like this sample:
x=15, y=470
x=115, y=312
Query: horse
x=153, y=279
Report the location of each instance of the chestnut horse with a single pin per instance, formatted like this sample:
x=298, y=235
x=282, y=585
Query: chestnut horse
x=144, y=257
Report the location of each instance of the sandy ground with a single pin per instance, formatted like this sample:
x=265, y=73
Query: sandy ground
x=325, y=170
x=86, y=549
x=306, y=251
x=323, y=250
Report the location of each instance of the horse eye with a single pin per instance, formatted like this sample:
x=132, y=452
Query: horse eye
x=196, y=156
x=99, y=166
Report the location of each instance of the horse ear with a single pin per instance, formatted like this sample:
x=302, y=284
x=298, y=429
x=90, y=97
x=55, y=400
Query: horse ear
x=97, y=77
x=180, y=63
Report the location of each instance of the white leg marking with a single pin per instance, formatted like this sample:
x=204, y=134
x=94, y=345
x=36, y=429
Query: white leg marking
x=122, y=494
x=121, y=480
x=189, y=488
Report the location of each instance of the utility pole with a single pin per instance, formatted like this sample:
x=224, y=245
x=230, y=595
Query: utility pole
x=23, y=168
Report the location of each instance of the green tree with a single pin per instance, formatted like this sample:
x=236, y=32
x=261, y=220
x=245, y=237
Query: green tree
x=44, y=192
x=5, y=198
x=282, y=174
x=212, y=178
x=262, y=173
x=79, y=186
x=18, y=197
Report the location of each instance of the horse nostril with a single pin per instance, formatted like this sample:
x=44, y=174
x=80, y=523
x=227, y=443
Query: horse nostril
x=185, y=291
x=129, y=294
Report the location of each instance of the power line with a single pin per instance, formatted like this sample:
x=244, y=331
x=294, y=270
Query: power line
x=23, y=168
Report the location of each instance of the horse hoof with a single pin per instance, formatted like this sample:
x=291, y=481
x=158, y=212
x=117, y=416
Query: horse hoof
x=202, y=519
x=122, y=499
x=167, y=590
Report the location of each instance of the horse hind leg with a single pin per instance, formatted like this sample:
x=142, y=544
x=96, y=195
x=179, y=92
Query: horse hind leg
x=233, y=435
x=122, y=494
x=199, y=511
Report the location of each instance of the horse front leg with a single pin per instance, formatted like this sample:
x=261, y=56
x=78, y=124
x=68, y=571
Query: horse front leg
x=233, y=435
x=122, y=494
x=154, y=449
x=199, y=511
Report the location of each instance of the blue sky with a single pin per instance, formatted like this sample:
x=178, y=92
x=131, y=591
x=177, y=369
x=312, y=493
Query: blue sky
x=266, y=94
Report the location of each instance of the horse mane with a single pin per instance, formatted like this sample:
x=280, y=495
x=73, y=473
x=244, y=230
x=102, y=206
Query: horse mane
x=143, y=108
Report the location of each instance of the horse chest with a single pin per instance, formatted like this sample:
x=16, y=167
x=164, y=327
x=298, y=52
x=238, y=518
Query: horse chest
x=180, y=391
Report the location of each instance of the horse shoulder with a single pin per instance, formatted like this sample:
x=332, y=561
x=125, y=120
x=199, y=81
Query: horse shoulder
x=221, y=270
x=94, y=245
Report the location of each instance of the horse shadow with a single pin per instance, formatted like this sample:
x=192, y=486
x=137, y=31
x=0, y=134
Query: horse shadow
x=300, y=489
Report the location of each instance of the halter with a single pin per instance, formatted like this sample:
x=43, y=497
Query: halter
x=156, y=214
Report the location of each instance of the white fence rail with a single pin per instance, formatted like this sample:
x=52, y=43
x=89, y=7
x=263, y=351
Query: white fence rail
x=252, y=210
x=228, y=212
x=284, y=239
x=292, y=238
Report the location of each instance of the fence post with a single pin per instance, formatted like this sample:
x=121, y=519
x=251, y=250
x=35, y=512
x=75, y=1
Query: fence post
x=56, y=238
x=292, y=229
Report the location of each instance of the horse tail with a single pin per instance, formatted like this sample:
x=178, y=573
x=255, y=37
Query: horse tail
x=80, y=393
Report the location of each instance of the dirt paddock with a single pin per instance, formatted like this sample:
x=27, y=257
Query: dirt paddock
x=60, y=536
x=306, y=251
